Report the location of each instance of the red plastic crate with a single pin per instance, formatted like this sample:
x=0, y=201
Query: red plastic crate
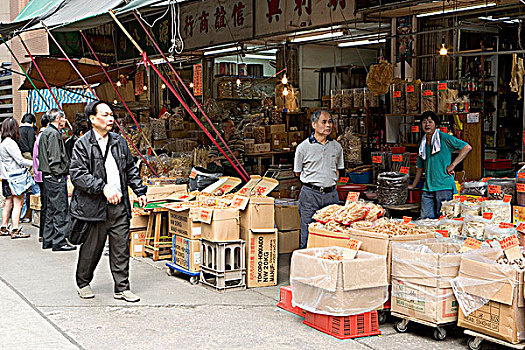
x=495, y=164
x=398, y=150
x=345, y=327
x=285, y=302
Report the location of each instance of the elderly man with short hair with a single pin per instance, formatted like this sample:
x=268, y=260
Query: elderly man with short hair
x=318, y=163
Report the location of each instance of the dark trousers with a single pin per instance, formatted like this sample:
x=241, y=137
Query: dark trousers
x=57, y=222
x=117, y=227
x=310, y=201
x=431, y=203
x=43, y=208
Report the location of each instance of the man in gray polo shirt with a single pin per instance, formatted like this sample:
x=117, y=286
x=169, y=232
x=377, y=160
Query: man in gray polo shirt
x=318, y=161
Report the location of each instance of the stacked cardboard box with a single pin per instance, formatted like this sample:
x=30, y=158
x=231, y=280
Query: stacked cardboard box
x=500, y=288
x=421, y=275
x=288, y=222
x=137, y=243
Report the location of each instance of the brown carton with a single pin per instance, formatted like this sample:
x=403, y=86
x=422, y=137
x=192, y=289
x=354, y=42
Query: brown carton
x=184, y=224
x=138, y=221
x=34, y=202
x=287, y=217
x=296, y=136
x=288, y=241
x=262, y=148
x=187, y=253
x=136, y=244
x=279, y=141
x=338, y=287
x=259, y=214
x=275, y=129
x=261, y=257
x=220, y=225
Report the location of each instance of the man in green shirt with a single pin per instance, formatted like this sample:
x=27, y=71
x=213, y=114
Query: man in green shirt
x=435, y=158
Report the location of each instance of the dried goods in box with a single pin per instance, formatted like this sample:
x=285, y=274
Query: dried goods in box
x=470, y=208
x=451, y=209
x=494, y=232
x=453, y=227
x=502, y=212
x=474, y=226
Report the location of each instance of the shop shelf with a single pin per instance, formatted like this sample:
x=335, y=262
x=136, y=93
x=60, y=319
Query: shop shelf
x=285, y=302
x=345, y=327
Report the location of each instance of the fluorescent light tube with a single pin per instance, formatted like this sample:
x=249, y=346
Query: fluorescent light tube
x=459, y=9
x=317, y=37
x=228, y=49
x=361, y=42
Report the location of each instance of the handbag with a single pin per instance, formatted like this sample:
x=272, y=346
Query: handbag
x=19, y=183
x=78, y=231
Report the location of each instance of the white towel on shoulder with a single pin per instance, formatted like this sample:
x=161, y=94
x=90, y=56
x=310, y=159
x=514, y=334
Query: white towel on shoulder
x=435, y=143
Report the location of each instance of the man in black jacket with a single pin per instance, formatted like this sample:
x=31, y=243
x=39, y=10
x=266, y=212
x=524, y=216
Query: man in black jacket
x=101, y=170
x=54, y=165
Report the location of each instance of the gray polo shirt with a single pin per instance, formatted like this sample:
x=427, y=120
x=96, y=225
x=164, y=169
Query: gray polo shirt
x=318, y=164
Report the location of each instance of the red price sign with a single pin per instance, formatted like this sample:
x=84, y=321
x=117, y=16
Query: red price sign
x=406, y=219
x=443, y=233
x=260, y=190
x=353, y=244
x=397, y=157
x=509, y=242
x=462, y=198
x=442, y=86
x=506, y=224
x=459, y=219
x=397, y=94
x=410, y=88
x=377, y=159
x=494, y=189
x=225, y=188
x=521, y=227
x=443, y=129
x=352, y=197
x=428, y=93
x=205, y=215
x=481, y=199
x=521, y=175
x=507, y=198
x=344, y=180
x=193, y=175
x=488, y=216
x=486, y=179
x=404, y=170
x=244, y=190
x=237, y=202
x=415, y=128
x=520, y=186
x=470, y=243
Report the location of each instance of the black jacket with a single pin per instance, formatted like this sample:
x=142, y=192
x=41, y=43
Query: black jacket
x=52, y=156
x=70, y=142
x=27, y=139
x=88, y=175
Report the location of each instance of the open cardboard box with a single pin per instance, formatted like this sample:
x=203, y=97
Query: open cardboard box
x=187, y=253
x=340, y=288
x=183, y=223
x=261, y=257
x=219, y=225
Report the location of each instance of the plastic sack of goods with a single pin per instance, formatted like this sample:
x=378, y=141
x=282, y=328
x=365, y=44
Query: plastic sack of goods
x=470, y=208
x=474, y=226
x=421, y=275
x=325, y=282
x=451, y=209
x=502, y=212
x=201, y=178
x=494, y=232
x=475, y=188
x=453, y=227
x=392, y=188
x=489, y=288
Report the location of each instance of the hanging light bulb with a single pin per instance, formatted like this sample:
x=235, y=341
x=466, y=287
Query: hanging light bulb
x=115, y=101
x=145, y=87
x=443, y=51
x=285, y=91
x=163, y=86
x=119, y=84
x=238, y=82
x=284, y=80
x=191, y=85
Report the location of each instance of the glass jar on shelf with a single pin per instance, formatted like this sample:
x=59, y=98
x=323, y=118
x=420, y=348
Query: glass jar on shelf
x=429, y=96
x=412, y=93
x=359, y=97
x=397, y=96
x=335, y=99
x=346, y=98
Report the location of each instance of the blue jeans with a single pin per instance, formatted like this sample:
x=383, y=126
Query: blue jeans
x=431, y=203
x=310, y=201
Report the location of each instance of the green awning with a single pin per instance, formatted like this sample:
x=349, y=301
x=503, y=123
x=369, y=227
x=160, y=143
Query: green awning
x=138, y=4
x=37, y=8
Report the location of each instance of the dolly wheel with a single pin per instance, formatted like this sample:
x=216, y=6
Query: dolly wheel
x=473, y=344
x=194, y=280
x=381, y=317
x=401, y=326
x=440, y=334
x=171, y=272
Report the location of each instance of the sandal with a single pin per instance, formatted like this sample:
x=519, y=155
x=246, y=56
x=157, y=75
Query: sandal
x=4, y=231
x=17, y=233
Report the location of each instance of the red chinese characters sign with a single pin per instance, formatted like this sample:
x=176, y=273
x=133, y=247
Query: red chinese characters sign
x=197, y=79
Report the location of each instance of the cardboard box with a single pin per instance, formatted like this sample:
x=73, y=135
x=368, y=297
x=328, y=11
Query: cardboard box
x=178, y=134
x=338, y=287
x=518, y=214
x=259, y=214
x=261, y=148
x=261, y=257
x=137, y=242
x=288, y=241
x=184, y=224
x=275, y=129
x=372, y=242
x=187, y=253
x=161, y=192
x=296, y=136
x=279, y=141
x=34, y=202
x=503, y=317
x=223, y=225
x=138, y=222
x=287, y=217
x=259, y=130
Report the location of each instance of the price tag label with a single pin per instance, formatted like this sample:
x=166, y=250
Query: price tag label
x=404, y=170
x=406, y=219
x=507, y=198
x=410, y=88
x=491, y=243
x=442, y=86
x=205, y=215
x=488, y=216
x=443, y=233
x=427, y=93
x=520, y=186
x=193, y=175
x=511, y=247
x=481, y=199
x=459, y=219
x=494, y=189
x=521, y=175
x=506, y=224
x=351, y=249
x=521, y=227
x=462, y=198
x=244, y=190
x=397, y=157
x=344, y=180
x=240, y=202
x=442, y=217
x=415, y=128
x=352, y=197
x=470, y=244
x=397, y=94
x=443, y=129
x=486, y=179
x=377, y=159
x=225, y=188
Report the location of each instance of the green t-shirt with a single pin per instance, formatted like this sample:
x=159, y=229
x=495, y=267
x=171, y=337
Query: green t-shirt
x=435, y=166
